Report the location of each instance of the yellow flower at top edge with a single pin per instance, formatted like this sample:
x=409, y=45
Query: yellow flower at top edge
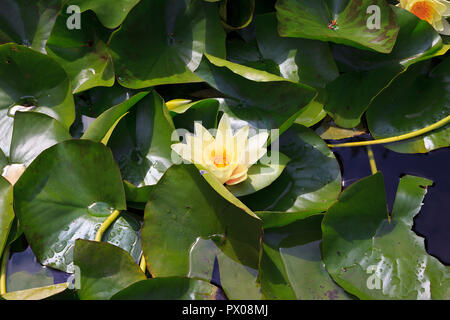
x=432, y=11
x=226, y=156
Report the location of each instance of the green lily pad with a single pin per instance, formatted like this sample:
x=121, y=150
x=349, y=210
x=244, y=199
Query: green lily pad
x=37, y=83
x=243, y=86
x=292, y=266
x=104, y=269
x=311, y=114
x=374, y=256
x=28, y=23
x=439, y=138
x=310, y=182
x=6, y=212
x=110, y=13
x=168, y=288
x=260, y=176
x=178, y=214
x=141, y=145
x=204, y=111
x=208, y=262
x=169, y=38
x=102, y=127
x=94, y=102
x=33, y=133
x=416, y=99
x=301, y=60
x=83, y=53
x=370, y=73
x=75, y=184
x=313, y=19
x=36, y=293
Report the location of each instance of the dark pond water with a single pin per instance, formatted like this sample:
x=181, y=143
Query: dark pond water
x=433, y=222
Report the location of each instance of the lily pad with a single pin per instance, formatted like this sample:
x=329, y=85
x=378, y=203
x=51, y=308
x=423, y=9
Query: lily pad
x=301, y=60
x=104, y=269
x=370, y=73
x=75, y=184
x=83, y=53
x=292, y=266
x=208, y=262
x=110, y=13
x=246, y=104
x=416, y=100
x=6, y=212
x=31, y=81
x=260, y=176
x=376, y=256
x=28, y=23
x=36, y=293
x=204, y=111
x=345, y=22
x=177, y=214
x=102, y=127
x=141, y=145
x=310, y=182
x=33, y=133
x=168, y=288
x=169, y=38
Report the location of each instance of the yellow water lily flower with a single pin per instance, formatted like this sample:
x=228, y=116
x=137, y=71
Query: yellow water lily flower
x=433, y=11
x=226, y=156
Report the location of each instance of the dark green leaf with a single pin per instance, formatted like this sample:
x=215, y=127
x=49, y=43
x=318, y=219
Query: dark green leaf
x=141, y=145
x=32, y=80
x=167, y=43
x=28, y=23
x=104, y=269
x=110, y=13
x=83, y=53
x=291, y=263
x=370, y=72
x=415, y=100
x=65, y=194
x=244, y=86
x=6, y=212
x=170, y=288
x=311, y=181
x=313, y=19
x=374, y=256
x=179, y=214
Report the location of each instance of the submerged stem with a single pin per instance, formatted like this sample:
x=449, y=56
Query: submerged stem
x=405, y=136
x=3, y=271
x=105, y=225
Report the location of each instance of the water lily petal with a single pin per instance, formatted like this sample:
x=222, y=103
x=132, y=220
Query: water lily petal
x=203, y=133
x=232, y=182
x=183, y=150
x=255, y=149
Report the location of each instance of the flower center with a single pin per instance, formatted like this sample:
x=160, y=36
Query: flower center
x=220, y=160
x=423, y=10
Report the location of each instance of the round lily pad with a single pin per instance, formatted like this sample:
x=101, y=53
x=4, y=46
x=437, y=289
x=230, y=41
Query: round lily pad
x=66, y=193
x=31, y=81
